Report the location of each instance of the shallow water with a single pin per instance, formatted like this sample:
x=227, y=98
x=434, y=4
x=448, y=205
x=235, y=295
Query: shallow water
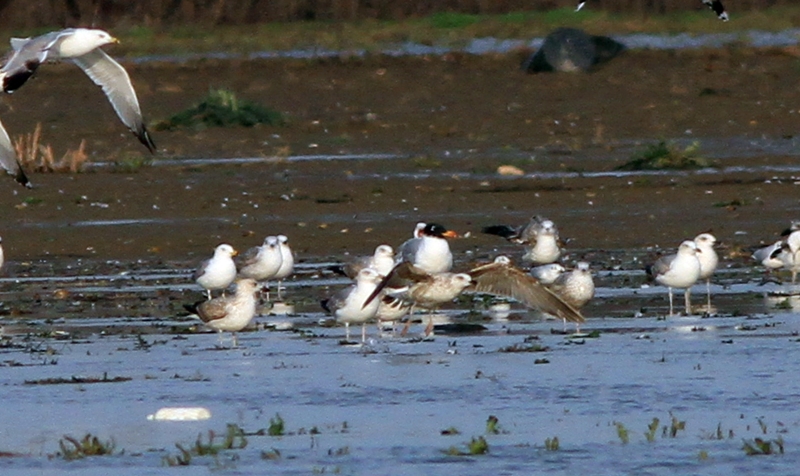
x=380, y=408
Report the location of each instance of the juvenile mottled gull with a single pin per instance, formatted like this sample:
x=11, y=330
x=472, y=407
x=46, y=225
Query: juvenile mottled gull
x=575, y=287
x=680, y=270
x=82, y=47
x=8, y=159
x=230, y=313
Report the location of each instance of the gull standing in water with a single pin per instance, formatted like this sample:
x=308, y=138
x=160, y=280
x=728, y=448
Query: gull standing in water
x=680, y=270
x=217, y=272
x=82, y=47
x=708, y=261
x=231, y=313
x=348, y=306
x=287, y=262
x=261, y=262
x=790, y=253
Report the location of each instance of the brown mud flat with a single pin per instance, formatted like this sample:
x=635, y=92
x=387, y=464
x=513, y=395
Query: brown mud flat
x=456, y=117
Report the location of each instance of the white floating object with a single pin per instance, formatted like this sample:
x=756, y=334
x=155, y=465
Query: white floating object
x=181, y=414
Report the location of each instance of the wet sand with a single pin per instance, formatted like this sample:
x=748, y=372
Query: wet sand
x=449, y=115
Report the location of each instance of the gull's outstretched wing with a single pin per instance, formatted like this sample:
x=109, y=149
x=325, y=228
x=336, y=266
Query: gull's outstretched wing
x=112, y=77
x=501, y=278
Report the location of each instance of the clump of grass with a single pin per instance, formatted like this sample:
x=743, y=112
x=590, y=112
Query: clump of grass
x=221, y=108
x=760, y=447
x=234, y=439
x=664, y=156
x=131, y=164
x=276, y=426
x=33, y=155
x=272, y=454
x=72, y=448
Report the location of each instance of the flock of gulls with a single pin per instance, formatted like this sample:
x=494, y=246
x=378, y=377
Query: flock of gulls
x=389, y=286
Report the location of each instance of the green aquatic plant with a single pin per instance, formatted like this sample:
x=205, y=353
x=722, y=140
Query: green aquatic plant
x=760, y=447
x=652, y=428
x=71, y=448
x=552, y=444
x=493, y=425
x=622, y=433
x=276, y=426
x=222, y=108
x=476, y=446
x=450, y=431
x=674, y=427
x=665, y=156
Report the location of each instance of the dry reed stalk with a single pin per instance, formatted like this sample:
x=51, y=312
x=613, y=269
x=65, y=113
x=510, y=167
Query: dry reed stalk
x=33, y=155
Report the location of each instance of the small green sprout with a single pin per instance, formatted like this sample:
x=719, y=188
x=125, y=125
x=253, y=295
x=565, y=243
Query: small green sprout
x=652, y=428
x=622, y=433
x=552, y=444
x=72, y=448
x=276, y=426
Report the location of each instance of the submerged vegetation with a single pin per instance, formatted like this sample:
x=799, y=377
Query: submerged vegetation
x=666, y=156
x=222, y=108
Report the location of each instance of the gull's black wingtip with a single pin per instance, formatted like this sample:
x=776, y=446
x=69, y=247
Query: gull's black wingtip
x=144, y=137
x=22, y=179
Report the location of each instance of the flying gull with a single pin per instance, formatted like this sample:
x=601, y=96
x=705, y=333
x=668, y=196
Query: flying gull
x=82, y=47
x=8, y=159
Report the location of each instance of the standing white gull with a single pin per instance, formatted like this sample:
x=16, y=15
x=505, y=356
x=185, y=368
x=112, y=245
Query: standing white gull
x=82, y=47
x=287, y=262
x=680, y=270
x=231, y=313
x=708, y=261
x=217, y=272
x=260, y=262
x=347, y=304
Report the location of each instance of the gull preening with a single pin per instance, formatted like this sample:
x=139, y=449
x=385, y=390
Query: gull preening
x=229, y=313
x=539, y=235
x=680, y=270
x=217, y=272
x=82, y=46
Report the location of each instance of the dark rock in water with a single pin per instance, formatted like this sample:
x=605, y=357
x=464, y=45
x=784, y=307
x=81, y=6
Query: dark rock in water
x=570, y=49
